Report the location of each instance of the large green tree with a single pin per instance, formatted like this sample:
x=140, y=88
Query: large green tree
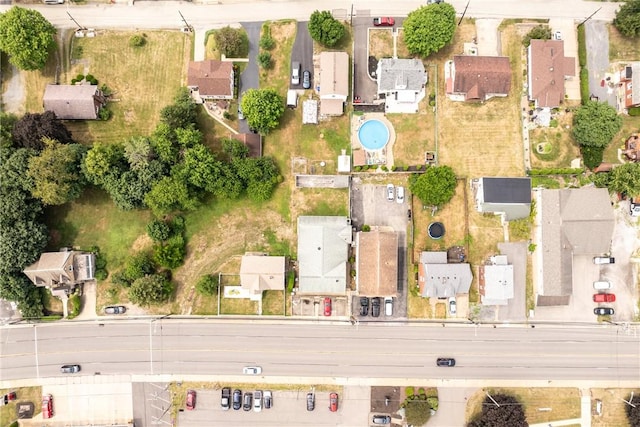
x=182, y=113
x=27, y=37
x=500, y=410
x=102, y=162
x=627, y=19
x=150, y=289
x=625, y=179
x=171, y=194
x=435, y=187
x=595, y=124
x=429, y=28
x=262, y=109
x=232, y=42
x=325, y=29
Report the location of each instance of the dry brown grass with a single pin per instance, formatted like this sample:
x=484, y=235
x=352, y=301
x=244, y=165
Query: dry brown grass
x=381, y=42
x=418, y=307
x=401, y=48
x=415, y=134
x=284, y=34
x=564, y=403
x=613, y=408
x=622, y=48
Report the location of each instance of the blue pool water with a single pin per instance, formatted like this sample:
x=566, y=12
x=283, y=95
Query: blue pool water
x=373, y=135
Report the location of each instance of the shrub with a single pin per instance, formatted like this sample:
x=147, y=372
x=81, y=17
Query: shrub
x=119, y=278
x=408, y=391
x=171, y=253
x=91, y=79
x=264, y=60
x=394, y=167
x=366, y=228
x=553, y=123
x=582, y=47
x=101, y=274
x=592, y=156
x=584, y=85
x=266, y=41
x=105, y=90
x=104, y=114
x=74, y=304
x=158, y=230
x=291, y=280
x=208, y=284
x=137, y=41
x=80, y=77
x=177, y=225
x=137, y=266
x=634, y=111
x=227, y=115
x=555, y=171
x=433, y=403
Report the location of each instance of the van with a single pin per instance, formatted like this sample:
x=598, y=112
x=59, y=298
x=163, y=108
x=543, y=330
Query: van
x=388, y=306
x=295, y=73
x=601, y=285
x=292, y=99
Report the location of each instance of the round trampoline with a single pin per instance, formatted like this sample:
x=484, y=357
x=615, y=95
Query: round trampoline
x=436, y=230
x=373, y=135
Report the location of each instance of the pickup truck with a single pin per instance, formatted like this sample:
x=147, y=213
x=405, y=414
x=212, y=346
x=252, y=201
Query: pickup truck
x=226, y=399
x=384, y=22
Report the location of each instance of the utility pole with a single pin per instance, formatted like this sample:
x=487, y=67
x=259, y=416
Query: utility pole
x=351, y=16
x=463, y=12
x=80, y=27
x=186, y=24
x=492, y=399
x=589, y=17
x=630, y=401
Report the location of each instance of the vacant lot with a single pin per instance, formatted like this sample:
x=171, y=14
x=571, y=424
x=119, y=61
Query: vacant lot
x=415, y=133
x=381, y=42
x=613, y=407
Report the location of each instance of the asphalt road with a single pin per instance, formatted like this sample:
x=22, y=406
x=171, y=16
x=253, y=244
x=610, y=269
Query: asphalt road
x=310, y=352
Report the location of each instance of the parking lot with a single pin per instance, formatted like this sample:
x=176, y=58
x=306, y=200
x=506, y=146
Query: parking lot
x=311, y=305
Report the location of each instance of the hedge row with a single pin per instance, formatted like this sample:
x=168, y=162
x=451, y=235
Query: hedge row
x=555, y=171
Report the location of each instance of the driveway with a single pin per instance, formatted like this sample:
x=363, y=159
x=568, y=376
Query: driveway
x=487, y=37
x=363, y=85
x=249, y=77
x=452, y=404
x=302, y=52
x=597, y=39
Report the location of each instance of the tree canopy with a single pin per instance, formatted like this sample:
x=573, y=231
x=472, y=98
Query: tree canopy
x=595, y=124
x=262, y=109
x=435, y=187
x=325, y=29
x=539, y=32
x=627, y=19
x=232, y=42
x=150, y=289
x=182, y=113
x=29, y=130
x=625, y=179
x=27, y=37
x=417, y=411
x=633, y=409
x=507, y=412
x=429, y=28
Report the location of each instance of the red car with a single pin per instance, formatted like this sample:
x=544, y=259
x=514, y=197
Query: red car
x=333, y=402
x=47, y=406
x=604, y=298
x=327, y=306
x=384, y=22
x=191, y=400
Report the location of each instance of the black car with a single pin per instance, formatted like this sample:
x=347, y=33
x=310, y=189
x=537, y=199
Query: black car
x=306, y=79
x=248, y=401
x=311, y=401
x=237, y=399
x=115, y=309
x=375, y=306
x=446, y=361
x=364, y=306
x=70, y=369
x=603, y=311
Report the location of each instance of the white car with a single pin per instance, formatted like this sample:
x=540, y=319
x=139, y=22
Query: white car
x=601, y=285
x=252, y=370
x=391, y=194
x=400, y=195
x=257, y=401
x=452, y=306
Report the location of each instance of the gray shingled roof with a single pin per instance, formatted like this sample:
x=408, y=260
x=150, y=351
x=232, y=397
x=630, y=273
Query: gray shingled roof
x=72, y=102
x=400, y=74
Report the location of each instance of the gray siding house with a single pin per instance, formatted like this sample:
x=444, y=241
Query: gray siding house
x=510, y=197
x=74, y=102
x=402, y=83
x=62, y=270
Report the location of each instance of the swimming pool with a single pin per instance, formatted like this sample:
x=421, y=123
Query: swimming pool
x=373, y=135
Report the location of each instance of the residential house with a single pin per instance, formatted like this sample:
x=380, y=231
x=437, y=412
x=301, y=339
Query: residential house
x=632, y=148
x=74, y=102
x=509, y=197
x=630, y=85
x=477, y=78
x=547, y=69
x=323, y=253
x=62, y=271
x=439, y=279
x=402, y=84
x=253, y=141
x=495, y=281
x=210, y=80
x=377, y=262
x=259, y=273
x=334, y=82
x=575, y=222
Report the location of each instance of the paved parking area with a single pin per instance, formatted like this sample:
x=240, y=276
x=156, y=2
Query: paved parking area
x=304, y=305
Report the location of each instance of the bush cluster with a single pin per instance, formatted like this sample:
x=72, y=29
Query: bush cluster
x=555, y=171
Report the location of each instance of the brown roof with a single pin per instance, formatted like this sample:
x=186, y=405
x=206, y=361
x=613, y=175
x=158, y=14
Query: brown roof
x=480, y=76
x=547, y=68
x=262, y=273
x=73, y=102
x=377, y=259
x=60, y=268
x=253, y=141
x=212, y=78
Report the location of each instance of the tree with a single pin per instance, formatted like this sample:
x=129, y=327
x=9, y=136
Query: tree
x=325, y=29
x=17, y=287
x=31, y=128
x=56, y=173
x=128, y=190
x=264, y=60
x=207, y=284
x=417, y=411
x=27, y=37
x=7, y=121
x=435, y=187
x=137, y=266
x=170, y=194
x=151, y=289
x=170, y=254
x=429, y=28
x=261, y=176
x=138, y=152
x=102, y=161
x=158, y=230
x=507, y=412
x=182, y=113
x=625, y=179
x=627, y=19
x=262, y=109
x=21, y=245
x=632, y=409
x=595, y=124
x=539, y=32
x=231, y=42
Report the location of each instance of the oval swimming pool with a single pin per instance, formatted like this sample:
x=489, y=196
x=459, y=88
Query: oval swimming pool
x=373, y=135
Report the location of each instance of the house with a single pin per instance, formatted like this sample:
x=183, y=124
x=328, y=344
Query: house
x=62, y=271
x=509, y=197
x=259, y=273
x=377, y=262
x=323, y=253
x=632, y=148
x=495, y=281
x=574, y=222
x=210, y=80
x=439, y=279
x=630, y=85
x=401, y=82
x=74, y=102
x=547, y=69
x=334, y=83
x=477, y=78
x=253, y=141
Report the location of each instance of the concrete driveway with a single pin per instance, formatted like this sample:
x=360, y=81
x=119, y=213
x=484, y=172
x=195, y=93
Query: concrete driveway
x=487, y=37
x=597, y=39
x=452, y=404
x=302, y=52
x=249, y=77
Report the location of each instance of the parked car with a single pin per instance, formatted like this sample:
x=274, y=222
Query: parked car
x=53, y=1
x=240, y=113
x=115, y=309
x=400, y=195
x=237, y=399
x=70, y=369
x=327, y=306
x=364, y=306
x=409, y=213
x=375, y=306
x=381, y=419
x=191, y=400
x=604, y=260
x=333, y=402
x=257, y=401
x=452, y=306
x=248, y=401
x=384, y=21
x=47, y=406
x=603, y=311
x=446, y=361
x=225, y=401
x=390, y=192
x=311, y=401
x=604, y=298
x=252, y=370
x=601, y=285
x=268, y=399
x=306, y=79
x=388, y=306
x=295, y=73
x=557, y=35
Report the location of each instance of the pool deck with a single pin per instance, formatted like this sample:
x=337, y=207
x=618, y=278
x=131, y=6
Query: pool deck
x=357, y=121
